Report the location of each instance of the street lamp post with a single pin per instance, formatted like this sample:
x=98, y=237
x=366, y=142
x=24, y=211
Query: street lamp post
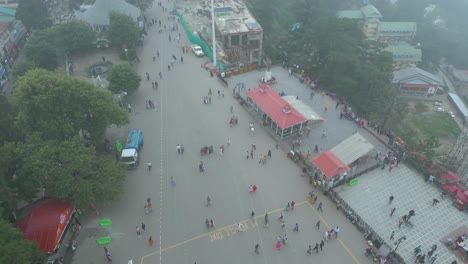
x=399, y=242
x=126, y=53
x=120, y=97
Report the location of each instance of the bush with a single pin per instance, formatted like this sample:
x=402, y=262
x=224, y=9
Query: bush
x=22, y=68
x=129, y=55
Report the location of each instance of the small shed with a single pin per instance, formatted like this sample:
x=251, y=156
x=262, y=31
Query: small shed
x=352, y=148
x=329, y=164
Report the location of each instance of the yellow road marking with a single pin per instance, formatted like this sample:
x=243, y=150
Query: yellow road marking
x=339, y=239
x=231, y=229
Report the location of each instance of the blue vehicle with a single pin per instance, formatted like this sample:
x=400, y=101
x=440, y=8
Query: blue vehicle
x=132, y=148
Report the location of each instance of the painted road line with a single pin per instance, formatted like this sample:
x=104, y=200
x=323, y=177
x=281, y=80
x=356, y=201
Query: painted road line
x=220, y=233
x=328, y=228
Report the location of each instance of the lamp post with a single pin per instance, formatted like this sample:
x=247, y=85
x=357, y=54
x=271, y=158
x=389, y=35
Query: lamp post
x=126, y=53
x=120, y=97
x=398, y=242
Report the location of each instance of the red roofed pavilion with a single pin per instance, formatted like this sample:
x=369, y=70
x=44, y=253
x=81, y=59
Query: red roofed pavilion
x=329, y=164
x=275, y=111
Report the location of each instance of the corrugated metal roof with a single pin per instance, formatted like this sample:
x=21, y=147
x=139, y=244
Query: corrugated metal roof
x=7, y=11
x=415, y=73
x=389, y=27
x=404, y=52
x=301, y=107
x=352, y=148
x=370, y=11
x=329, y=164
x=459, y=103
x=352, y=14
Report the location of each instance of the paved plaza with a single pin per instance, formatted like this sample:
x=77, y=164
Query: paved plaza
x=177, y=223
x=370, y=199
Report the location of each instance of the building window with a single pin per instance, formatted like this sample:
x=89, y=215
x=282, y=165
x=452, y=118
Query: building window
x=255, y=44
x=235, y=40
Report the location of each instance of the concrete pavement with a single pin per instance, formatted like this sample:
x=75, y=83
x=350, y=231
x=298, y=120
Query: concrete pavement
x=177, y=222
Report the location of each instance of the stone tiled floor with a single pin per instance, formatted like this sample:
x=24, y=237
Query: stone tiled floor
x=369, y=198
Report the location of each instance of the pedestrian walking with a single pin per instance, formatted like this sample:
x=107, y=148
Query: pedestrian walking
x=156, y=84
x=417, y=250
x=172, y=181
x=228, y=142
x=320, y=207
x=108, y=255
x=138, y=231
x=324, y=134
x=321, y=245
x=211, y=223
x=400, y=222
x=269, y=153
x=316, y=248
x=287, y=207
x=309, y=250
x=208, y=201
x=239, y=228
x=317, y=225
x=143, y=227
x=292, y=205
x=129, y=108
x=257, y=246
x=178, y=148
x=296, y=227
x=266, y=220
x=393, y=211
x=392, y=235
x=181, y=59
x=435, y=201
x=326, y=236
x=283, y=224
x=261, y=159
x=280, y=218
x=337, y=229
x=248, y=155
x=251, y=154
x=149, y=166
x=278, y=245
x=150, y=241
x=390, y=199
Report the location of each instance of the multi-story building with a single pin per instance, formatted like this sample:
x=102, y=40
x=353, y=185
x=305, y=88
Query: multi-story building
x=397, y=35
x=12, y=32
x=239, y=32
x=416, y=81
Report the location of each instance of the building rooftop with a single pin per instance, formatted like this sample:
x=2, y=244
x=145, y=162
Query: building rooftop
x=412, y=74
x=7, y=11
x=351, y=14
x=370, y=11
x=233, y=17
x=404, y=52
x=396, y=28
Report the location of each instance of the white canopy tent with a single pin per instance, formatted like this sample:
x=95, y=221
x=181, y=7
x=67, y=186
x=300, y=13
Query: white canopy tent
x=352, y=148
x=301, y=107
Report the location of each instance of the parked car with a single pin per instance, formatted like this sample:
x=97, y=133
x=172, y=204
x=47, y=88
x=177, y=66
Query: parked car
x=197, y=50
x=437, y=103
x=452, y=114
x=440, y=109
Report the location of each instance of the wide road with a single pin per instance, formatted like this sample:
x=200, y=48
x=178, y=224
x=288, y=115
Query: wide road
x=177, y=223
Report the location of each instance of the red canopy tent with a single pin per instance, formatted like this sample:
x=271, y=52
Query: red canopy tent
x=275, y=107
x=45, y=221
x=329, y=164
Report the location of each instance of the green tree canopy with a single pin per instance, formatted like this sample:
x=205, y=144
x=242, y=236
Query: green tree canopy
x=33, y=13
x=22, y=67
x=73, y=36
x=123, y=31
x=122, y=77
x=8, y=190
x=142, y=4
x=68, y=169
x=41, y=49
x=8, y=131
x=60, y=107
x=14, y=249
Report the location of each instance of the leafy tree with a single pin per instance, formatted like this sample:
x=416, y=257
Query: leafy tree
x=22, y=67
x=8, y=190
x=41, y=51
x=73, y=36
x=123, y=31
x=14, y=249
x=60, y=107
x=34, y=14
x=8, y=131
x=122, y=77
x=142, y=4
x=68, y=169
